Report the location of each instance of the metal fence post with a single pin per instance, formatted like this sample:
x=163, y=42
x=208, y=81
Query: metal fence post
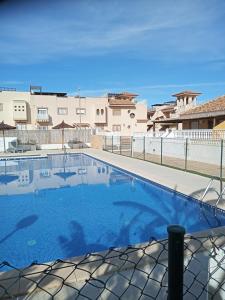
x=131, y=143
x=221, y=160
x=175, y=261
x=144, y=148
x=120, y=145
x=161, y=151
x=112, y=143
x=186, y=151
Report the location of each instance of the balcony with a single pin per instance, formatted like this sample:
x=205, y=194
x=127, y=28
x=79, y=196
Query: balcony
x=42, y=118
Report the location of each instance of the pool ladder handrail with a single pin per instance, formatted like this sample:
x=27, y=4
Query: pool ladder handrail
x=207, y=188
x=220, y=196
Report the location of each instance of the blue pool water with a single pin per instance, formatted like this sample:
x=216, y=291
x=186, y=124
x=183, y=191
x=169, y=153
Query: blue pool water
x=63, y=206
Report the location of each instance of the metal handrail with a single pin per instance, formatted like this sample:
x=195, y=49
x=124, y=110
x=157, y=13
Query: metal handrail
x=220, y=196
x=207, y=188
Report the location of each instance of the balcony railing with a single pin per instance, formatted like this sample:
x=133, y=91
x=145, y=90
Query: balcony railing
x=205, y=134
x=42, y=118
x=193, y=134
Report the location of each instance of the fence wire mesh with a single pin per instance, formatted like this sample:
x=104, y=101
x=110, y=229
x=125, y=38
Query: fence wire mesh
x=134, y=272
x=201, y=156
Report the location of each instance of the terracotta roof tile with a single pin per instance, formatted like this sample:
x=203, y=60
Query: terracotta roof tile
x=122, y=95
x=217, y=104
x=186, y=93
x=121, y=102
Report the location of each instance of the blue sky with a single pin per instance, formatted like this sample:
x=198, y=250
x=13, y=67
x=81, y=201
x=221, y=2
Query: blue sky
x=152, y=48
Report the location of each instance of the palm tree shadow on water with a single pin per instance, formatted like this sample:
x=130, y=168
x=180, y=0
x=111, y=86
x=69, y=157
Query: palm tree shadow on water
x=76, y=244
x=22, y=224
x=115, y=283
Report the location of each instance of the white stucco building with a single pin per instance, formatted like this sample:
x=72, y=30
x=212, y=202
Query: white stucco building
x=43, y=110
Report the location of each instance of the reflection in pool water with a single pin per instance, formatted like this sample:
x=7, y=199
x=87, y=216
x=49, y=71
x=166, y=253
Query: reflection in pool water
x=90, y=207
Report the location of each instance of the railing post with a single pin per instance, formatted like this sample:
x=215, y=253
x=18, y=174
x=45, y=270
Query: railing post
x=131, y=143
x=120, y=144
x=144, y=147
x=105, y=143
x=175, y=261
x=161, y=151
x=186, y=152
x=221, y=160
x=112, y=143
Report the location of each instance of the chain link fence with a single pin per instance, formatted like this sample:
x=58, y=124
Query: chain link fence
x=134, y=272
x=200, y=156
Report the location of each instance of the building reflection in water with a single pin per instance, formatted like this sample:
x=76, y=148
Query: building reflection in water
x=54, y=171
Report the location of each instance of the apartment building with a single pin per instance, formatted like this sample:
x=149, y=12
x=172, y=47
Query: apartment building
x=166, y=115
x=36, y=109
x=208, y=115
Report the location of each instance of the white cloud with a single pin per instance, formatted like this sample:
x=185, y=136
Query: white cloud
x=11, y=82
x=184, y=85
x=151, y=29
x=160, y=87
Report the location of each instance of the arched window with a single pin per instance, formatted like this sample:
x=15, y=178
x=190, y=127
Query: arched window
x=97, y=112
x=102, y=111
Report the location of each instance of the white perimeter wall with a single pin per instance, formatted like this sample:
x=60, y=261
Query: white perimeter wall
x=201, y=151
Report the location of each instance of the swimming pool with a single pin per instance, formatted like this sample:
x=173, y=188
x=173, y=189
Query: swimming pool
x=68, y=205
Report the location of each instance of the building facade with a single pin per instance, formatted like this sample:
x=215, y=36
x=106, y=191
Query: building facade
x=206, y=116
x=186, y=114
x=43, y=110
x=167, y=115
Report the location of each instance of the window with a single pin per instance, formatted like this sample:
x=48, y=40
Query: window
x=132, y=115
x=210, y=124
x=97, y=112
x=102, y=111
x=42, y=111
x=1, y=106
x=194, y=124
x=81, y=111
x=62, y=111
x=116, y=112
x=116, y=128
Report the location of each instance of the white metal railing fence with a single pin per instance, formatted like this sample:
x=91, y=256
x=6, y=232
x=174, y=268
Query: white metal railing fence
x=198, y=134
x=205, y=134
